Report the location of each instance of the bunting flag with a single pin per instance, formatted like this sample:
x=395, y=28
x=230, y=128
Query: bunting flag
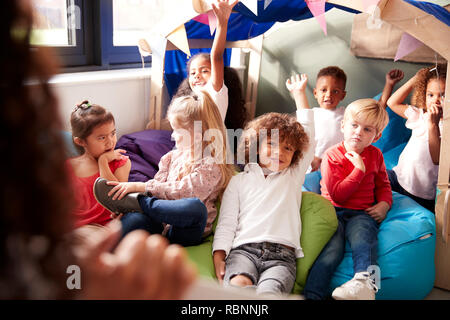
x=202, y=18
x=317, y=8
x=407, y=45
x=179, y=38
x=252, y=5
x=267, y=3
x=212, y=21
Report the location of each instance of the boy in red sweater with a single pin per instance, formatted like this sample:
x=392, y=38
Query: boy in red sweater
x=354, y=179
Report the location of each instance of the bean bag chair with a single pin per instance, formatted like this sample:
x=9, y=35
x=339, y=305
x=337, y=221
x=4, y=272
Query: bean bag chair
x=406, y=243
x=145, y=149
x=319, y=223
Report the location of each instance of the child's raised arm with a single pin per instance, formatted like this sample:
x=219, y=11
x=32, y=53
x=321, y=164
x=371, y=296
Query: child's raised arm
x=392, y=77
x=222, y=11
x=395, y=102
x=297, y=85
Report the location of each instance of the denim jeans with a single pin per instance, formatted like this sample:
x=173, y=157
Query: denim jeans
x=395, y=186
x=270, y=266
x=186, y=217
x=361, y=231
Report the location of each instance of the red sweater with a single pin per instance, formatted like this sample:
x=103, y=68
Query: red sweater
x=348, y=187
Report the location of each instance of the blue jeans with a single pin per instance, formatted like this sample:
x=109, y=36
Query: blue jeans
x=361, y=231
x=187, y=219
x=395, y=186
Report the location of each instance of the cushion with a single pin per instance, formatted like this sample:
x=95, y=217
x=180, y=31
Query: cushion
x=406, y=242
x=71, y=150
x=145, y=149
x=391, y=156
x=395, y=132
x=318, y=225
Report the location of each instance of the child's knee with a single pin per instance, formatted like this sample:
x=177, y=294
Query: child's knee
x=241, y=281
x=197, y=207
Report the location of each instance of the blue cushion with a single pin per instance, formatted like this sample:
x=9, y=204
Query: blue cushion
x=395, y=132
x=406, y=243
x=71, y=150
x=391, y=156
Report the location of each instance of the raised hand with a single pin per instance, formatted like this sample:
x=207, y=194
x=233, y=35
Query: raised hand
x=222, y=10
x=297, y=83
x=394, y=76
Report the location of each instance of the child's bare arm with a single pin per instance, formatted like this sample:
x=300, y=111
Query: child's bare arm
x=434, y=140
x=105, y=159
x=395, y=102
x=297, y=86
x=392, y=77
x=222, y=11
x=123, y=172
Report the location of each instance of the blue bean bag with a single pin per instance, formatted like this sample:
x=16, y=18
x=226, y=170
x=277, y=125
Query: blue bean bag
x=406, y=242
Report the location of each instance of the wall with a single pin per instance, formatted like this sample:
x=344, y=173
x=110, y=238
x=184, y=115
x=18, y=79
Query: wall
x=124, y=92
x=302, y=47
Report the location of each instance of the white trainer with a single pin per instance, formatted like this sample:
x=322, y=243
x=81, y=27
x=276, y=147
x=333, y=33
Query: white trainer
x=361, y=287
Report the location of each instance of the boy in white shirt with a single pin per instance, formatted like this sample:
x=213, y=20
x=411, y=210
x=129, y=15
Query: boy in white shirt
x=329, y=92
x=257, y=239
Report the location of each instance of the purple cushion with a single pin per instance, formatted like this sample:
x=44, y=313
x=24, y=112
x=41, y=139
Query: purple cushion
x=145, y=149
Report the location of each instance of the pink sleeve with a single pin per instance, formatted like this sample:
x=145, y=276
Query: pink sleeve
x=201, y=183
x=339, y=186
x=163, y=167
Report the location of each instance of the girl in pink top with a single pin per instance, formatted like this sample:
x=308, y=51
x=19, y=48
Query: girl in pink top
x=94, y=135
x=181, y=197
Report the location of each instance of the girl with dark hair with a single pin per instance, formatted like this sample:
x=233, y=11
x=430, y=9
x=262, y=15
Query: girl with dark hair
x=206, y=72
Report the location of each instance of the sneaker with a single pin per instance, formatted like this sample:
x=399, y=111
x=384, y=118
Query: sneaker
x=361, y=287
x=128, y=203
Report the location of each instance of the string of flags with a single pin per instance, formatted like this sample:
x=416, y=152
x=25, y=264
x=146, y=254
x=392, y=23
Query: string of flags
x=201, y=11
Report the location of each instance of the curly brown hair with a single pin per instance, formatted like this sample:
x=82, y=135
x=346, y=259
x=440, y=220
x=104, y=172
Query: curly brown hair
x=289, y=129
x=335, y=72
x=423, y=76
x=35, y=195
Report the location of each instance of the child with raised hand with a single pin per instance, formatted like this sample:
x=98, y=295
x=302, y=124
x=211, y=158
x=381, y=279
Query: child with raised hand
x=257, y=238
x=180, y=201
x=417, y=170
x=94, y=135
x=207, y=72
x=329, y=92
x=354, y=179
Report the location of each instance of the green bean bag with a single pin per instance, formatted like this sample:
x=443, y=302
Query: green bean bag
x=319, y=223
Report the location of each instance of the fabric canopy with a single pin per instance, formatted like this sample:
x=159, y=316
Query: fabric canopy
x=244, y=24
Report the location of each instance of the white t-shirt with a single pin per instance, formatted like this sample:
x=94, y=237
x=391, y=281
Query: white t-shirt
x=415, y=170
x=327, y=125
x=257, y=209
x=220, y=97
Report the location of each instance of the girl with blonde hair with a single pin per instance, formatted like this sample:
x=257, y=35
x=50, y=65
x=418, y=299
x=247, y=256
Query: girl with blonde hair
x=180, y=201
